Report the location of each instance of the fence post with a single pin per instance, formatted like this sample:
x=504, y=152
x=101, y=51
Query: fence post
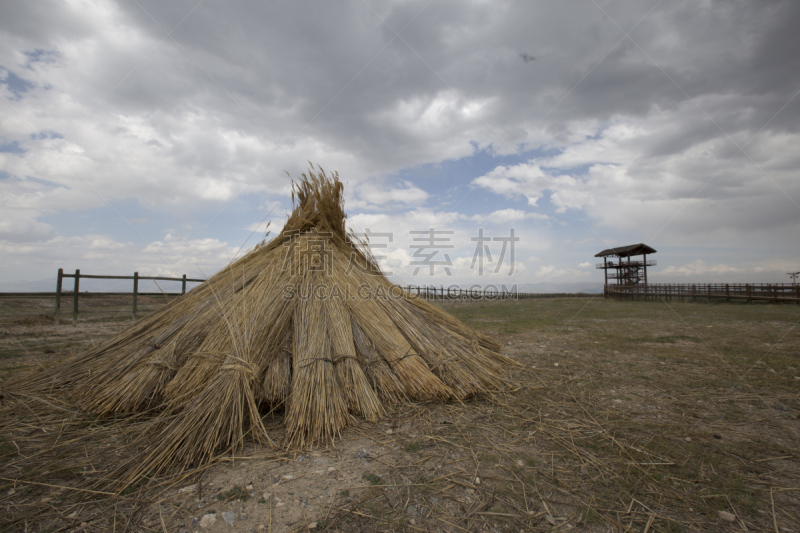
x=75, y=292
x=57, y=313
x=183, y=285
x=135, y=293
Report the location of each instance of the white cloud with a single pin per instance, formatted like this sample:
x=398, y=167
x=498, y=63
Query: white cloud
x=20, y=225
x=400, y=254
x=201, y=255
x=503, y=216
x=370, y=195
x=171, y=131
x=698, y=269
x=532, y=182
x=261, y=228
x=100, y=254
x=554, y=273
x=685, y=197
x=762, y=270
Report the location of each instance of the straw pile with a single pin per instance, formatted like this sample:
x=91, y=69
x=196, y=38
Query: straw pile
x=305, y=322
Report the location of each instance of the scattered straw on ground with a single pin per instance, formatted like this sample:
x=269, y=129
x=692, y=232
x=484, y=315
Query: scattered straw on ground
x=657, y=417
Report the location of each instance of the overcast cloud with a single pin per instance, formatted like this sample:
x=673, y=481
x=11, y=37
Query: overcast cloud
x=152, y=136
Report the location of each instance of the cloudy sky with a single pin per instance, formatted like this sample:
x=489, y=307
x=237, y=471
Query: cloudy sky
x=152, y=136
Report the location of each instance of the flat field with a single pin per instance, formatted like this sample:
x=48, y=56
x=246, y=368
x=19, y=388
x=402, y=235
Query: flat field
x=622, y=416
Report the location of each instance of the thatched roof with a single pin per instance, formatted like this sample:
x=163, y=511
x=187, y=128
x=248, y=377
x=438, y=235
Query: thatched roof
x=627, y=251
x=250, y=340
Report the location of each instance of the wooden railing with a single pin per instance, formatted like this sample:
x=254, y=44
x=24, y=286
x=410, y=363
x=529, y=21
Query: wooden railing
x=749, y=292
x=489, y=293
x=618, y=264
x=136, y=277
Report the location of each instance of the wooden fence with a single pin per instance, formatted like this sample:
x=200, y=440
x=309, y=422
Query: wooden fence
x=136, y=277
x=490, y=293
x=748, y=292
x=457, y=293
x=441, y=293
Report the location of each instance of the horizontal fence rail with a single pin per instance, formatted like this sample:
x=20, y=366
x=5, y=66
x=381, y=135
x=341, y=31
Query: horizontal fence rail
x=136, y=277
x=748, y=292
x=441, y=293
x=489, y=293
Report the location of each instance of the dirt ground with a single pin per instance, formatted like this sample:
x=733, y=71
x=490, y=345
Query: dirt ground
x=623, y=416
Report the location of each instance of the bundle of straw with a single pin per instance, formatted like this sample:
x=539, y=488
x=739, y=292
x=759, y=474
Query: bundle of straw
x=282, y=327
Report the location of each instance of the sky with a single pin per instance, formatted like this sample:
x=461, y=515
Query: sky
x=163, y=137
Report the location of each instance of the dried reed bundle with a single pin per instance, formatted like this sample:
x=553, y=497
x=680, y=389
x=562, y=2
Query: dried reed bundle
x=378, y=372
x=282, y=326
x=317, y=404
x=277, y=382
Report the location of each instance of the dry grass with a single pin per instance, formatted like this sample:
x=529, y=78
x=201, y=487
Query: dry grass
x=626, y=416
x=657, y=417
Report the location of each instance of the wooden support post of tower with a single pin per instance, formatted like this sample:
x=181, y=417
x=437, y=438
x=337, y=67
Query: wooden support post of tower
x=644, y=260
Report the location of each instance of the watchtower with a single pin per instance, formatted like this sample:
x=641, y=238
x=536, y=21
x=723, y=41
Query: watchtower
x=624, y=270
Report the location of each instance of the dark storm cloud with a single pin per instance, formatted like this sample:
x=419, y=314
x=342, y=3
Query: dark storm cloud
x=662, y=112
x=291, y=65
